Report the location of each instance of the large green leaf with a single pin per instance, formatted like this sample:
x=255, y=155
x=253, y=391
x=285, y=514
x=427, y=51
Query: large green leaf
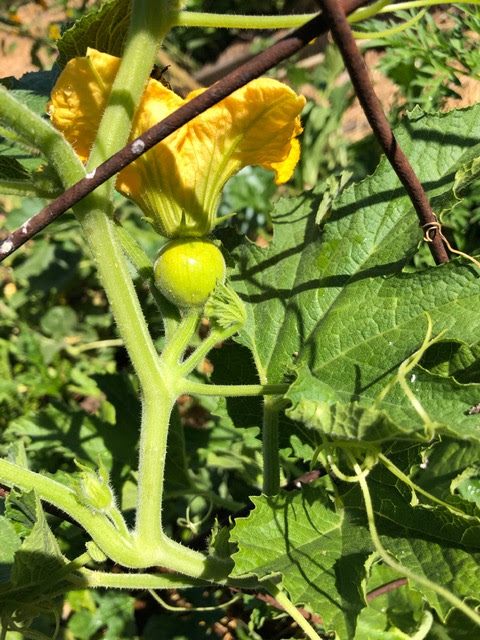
x=301, y=536
x=35, y=578
x=432, y=542
x=336, y=299
x=336, y=412
x=321, y=553
x=307, y=278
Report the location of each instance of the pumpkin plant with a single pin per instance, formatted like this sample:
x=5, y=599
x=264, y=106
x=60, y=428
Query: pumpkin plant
x=366, y=368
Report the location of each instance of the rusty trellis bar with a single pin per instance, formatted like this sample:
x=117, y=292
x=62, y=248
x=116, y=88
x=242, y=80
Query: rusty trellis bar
x=264, y=61
x=352, y=57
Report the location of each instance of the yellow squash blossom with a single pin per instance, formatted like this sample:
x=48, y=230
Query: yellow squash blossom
x=178, y=183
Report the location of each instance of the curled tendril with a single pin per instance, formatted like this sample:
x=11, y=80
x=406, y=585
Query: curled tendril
x=176, y=609
x=396, y=566
x=370, y=457
x=188, y=523
x=367, y=35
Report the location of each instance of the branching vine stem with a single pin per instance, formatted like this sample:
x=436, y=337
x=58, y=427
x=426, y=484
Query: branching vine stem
x=270, y=447
x=389, y=560
x=264, y=61
x=358, y=72
x=234, y=390
x=288, y=606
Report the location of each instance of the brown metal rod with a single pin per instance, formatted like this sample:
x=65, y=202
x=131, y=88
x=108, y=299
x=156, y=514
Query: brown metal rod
x=256, y=67
x=343, y=36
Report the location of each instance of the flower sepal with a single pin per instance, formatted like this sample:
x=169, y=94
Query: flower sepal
x=224, y=308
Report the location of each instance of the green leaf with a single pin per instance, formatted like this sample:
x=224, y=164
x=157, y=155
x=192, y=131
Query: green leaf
x=111, y=612
x=33, y=88
x=432, y=542
x=11, y=169
x=446, y=470
x=176, y=465
x=35, y=579
x=21, y=510
x=457, y=627
x=326, y=407
x=233, y=364
x=59, y=322
x=307, y=281
x=104, y=30
x=326, y=298
x=454, y=358
x=394, y=615
x=60, y=431
x=10, y=543
x=321, y=552
x=314, y=404
x=300, y=536
x=40, y=546
x=468, y=485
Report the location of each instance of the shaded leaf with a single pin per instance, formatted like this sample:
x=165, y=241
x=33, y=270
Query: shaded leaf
x=104, y=29
x=11, y=169
x=337, y=413
x=10, y=543
x=396, y=614
x=302, y=537
x=35, y=579
x=300, y=285
x=454, y=358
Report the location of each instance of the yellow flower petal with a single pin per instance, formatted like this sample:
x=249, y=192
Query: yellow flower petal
x=80, y=96
x=178, y=183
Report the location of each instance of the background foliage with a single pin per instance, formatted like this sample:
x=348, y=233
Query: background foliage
x=67, y=391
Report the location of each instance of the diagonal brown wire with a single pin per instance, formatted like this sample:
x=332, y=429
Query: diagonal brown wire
x=358, y=72
x=264, y=61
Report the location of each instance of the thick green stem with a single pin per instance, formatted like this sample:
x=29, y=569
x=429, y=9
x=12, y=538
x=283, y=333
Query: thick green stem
x=233, y=390
x=271, y=459
x=144, y=267
x=94, y=579
x=153, y=448
x=228, y=21
x=126, y=309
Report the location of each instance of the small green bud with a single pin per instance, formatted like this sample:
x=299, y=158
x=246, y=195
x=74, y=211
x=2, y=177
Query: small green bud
x=93, y=489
